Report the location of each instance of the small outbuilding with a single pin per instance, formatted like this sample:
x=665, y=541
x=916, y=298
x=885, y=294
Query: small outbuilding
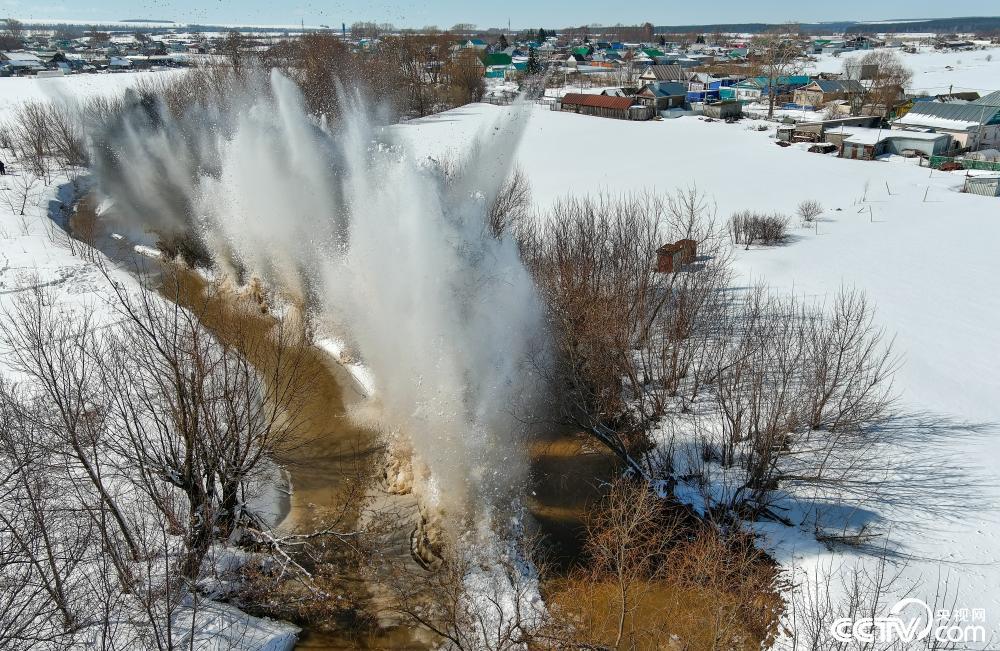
x=867, y=144
x=620, y=108
x=672, y=257
x=724, y=110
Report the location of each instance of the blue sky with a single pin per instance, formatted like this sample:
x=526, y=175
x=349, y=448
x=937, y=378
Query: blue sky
x=521, y=13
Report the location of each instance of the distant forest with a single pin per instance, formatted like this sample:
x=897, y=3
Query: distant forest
x=973, y=24
x=976, y=24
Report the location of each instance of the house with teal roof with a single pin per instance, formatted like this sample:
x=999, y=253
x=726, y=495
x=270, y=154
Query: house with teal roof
x=758, y=88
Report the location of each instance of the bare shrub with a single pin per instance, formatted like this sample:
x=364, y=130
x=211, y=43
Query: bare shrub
x=29, y=133
x=867, y=588
x=511, y=204
x=747, y=228
x=626, y=541
x=21, y=190
x=809, y=210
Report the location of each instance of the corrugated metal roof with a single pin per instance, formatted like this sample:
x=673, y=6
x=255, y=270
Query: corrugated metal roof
x=973, y=112
x=597, y=101
x=672, y=72
x=666, y=89
x=839, y=85
x=993, y=99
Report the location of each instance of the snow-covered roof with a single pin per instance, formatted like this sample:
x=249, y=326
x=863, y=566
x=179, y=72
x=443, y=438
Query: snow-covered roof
x=972, y=113
x=935, y=122
x=21, y=57
x=868, y=136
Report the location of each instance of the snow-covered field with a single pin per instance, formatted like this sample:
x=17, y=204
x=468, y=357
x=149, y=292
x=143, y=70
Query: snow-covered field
x=936, y=72
x=16, y=90
x=925, y=253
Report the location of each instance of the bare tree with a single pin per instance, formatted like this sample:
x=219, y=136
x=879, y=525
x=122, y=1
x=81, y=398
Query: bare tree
x=851, y=364
x=776, y=54
x=626, y=542
x=593, y=261
x=884, y=78
x=12, y=34
x=195, y=414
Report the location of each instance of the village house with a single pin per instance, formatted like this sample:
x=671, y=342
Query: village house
x=974, y=125
x=704, y=87
x=756, y=89
x=724, y=110
x=663, y=95
x=821, y=92
x=862, y=42
x=620, y=108
x=987, y=186
x=21, y=62
x=865, y=143
x=819, y=130
x=671, y=72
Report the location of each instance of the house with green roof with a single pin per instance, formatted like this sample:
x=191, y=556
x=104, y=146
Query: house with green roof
x=497, y=59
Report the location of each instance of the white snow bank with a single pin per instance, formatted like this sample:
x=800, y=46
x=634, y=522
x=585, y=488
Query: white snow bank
x=361, y=374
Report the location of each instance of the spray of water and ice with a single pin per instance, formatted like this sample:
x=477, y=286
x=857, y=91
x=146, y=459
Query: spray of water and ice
x=391, y=254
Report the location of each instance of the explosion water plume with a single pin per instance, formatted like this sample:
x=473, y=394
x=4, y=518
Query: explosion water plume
x=393, y=256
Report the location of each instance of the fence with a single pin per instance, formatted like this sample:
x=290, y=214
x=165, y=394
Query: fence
x=499, y=100
x=938, y=161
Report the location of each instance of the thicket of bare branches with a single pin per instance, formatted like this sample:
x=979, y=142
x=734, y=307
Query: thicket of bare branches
x=778, y=392
x=46, y=136
x=796, y=389
x=411, y=74
x=747, y=228
x=593, y=262
x=654, y=581
x=20, y=190
x=129, y=449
